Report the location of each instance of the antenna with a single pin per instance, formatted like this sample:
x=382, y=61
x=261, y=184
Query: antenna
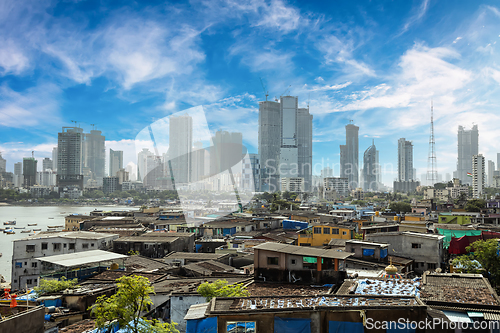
x=308, y=99
x=92, y=126
x=264, y=87
x=431, y=162
x=33, y=154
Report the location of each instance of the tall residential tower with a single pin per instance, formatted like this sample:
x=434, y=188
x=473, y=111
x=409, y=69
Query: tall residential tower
x=349, y=156
x=468, y=146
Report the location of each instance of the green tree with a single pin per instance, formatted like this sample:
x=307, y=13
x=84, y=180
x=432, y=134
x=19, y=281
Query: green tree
x=486, y=253
x=475, y=205
x=221, y=288
x=53, y=286
x=466, y=264
x=125, y=307
x=358, y=236
x=400, y=207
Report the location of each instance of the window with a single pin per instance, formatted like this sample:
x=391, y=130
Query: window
x=91, y=244
x=240, y=326
x=317, y=230
x=272, y=260
x=65, y=245
x=335, y=231
x=29, y=281
x=146, y=246
x=33, y=264
x=294, y=261
x=19, y=265
x=71, y=246
x=326, y=231
x=57, y=246
x=416, y=245
x=44, y=246
x=344, y=232
x=85, y=245
x=431, y=266
x=30, y=248
x=35, y=281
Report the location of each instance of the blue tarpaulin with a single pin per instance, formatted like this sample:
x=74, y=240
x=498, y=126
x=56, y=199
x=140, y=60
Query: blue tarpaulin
x=206, y=325
x=383, y=253
x=198, y=247
x=345, y=327
x=292, y=325
x=368, y=252
x=294, y=225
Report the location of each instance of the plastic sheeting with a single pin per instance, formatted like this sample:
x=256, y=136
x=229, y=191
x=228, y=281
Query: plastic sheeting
x=458, y=245
x=387, y=287
x=368, y=252
x=292, y=325
x=383, y=253
x=206, y=325
x=295, y=225
x=457, y=234
x=345, y=327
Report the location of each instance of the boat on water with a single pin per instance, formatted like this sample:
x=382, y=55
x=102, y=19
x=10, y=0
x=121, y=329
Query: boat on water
x=19, y=227
x=26, y=231
x=9, y=232
x=54, y=226
x=51, y=218
x=38, y=229
x=10, y=223
x=31, y=224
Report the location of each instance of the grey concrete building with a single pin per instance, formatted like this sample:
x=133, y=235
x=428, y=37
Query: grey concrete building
x=94, y=155
x=180, y=147
x=478, y=176
x=426, y=249
x=370, y=169
x=115, y=161
x=29, y=171
x=349, y=156
x=70, y=157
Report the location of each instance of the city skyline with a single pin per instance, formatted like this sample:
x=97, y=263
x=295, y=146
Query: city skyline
x=130, y=68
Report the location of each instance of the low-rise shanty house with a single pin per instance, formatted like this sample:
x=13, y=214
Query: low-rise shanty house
x=367, y=250
x=223, y=228
x=169, y=225
x=289, y=263
x=426, y=249
x=183, y=258
x=467, y=298
x=308, y=217
x=138, y=263
x=107, y=221
x=208, y=268
x=416, y=226
x=22, y=319
x=113, y=213
x=266, y=223
x=381, y=287
x=187, y=238
x=173, y=297
x=72, y=222
x=290, y=314
x=80, y=265
x=338, y=244
x=379, y=227
x=458, y=218
x=122, y=230
x=149, y=246
x=207, y=245
x=321, y=234
x=344, y=214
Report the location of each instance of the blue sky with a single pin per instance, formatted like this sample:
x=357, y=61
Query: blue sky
x=122, y=65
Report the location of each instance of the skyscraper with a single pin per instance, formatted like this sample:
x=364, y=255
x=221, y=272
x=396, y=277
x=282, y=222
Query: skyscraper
x=29, y=171
x=115, y=161
x=491, y=173
x=349, y=156
x=370, y=169
x=269, y=144
x=18, y=174
x=405, y=160
x=478, y=176
x=285, y=142
x=468, y=146
x=226, y=151
x=70, y=157
x=94, y=154
x=54, y=158
x=3, y=164
x=143, y=157
x=198, y=162
x=46, y=164
x=180, y=147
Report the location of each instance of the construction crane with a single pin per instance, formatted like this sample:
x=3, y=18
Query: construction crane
x=264, y=87
x=288, y=88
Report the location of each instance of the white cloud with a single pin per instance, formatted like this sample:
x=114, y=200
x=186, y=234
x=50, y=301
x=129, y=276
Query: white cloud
x=329, y=87
x=12, y=59
x=456, y=40
x=280, y=16
x=416, y=17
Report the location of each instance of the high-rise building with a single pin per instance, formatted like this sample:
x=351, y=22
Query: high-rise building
x=142, y=163
x=468, y=146
x=115, y=161
x=94, y=154
x=334, y=187
x=54, y=158
x=250, y=173
x=29, y=171
x=285, y=142
x=198, y=162
x=18, y=174
x=110, y=184
x=180, y=147
x=349, y=156
x=498, y=161
x=326, y=172
x=478, y=175
x=491, y=172
x=226, y=151
x=405, y=160
x=70, y=157
x=3, y=164
x=370, y=169
x=47, y=164
x=269, y=144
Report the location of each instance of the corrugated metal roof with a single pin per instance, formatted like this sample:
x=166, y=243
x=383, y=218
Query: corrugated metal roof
x=196, y=311
x=82, y=258
x=457, y=317
x=491, y=316
x=302, y=250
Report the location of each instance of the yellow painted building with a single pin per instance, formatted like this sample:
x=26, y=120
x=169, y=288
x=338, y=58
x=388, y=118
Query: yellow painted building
x=320, y=235
x=72, y=222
